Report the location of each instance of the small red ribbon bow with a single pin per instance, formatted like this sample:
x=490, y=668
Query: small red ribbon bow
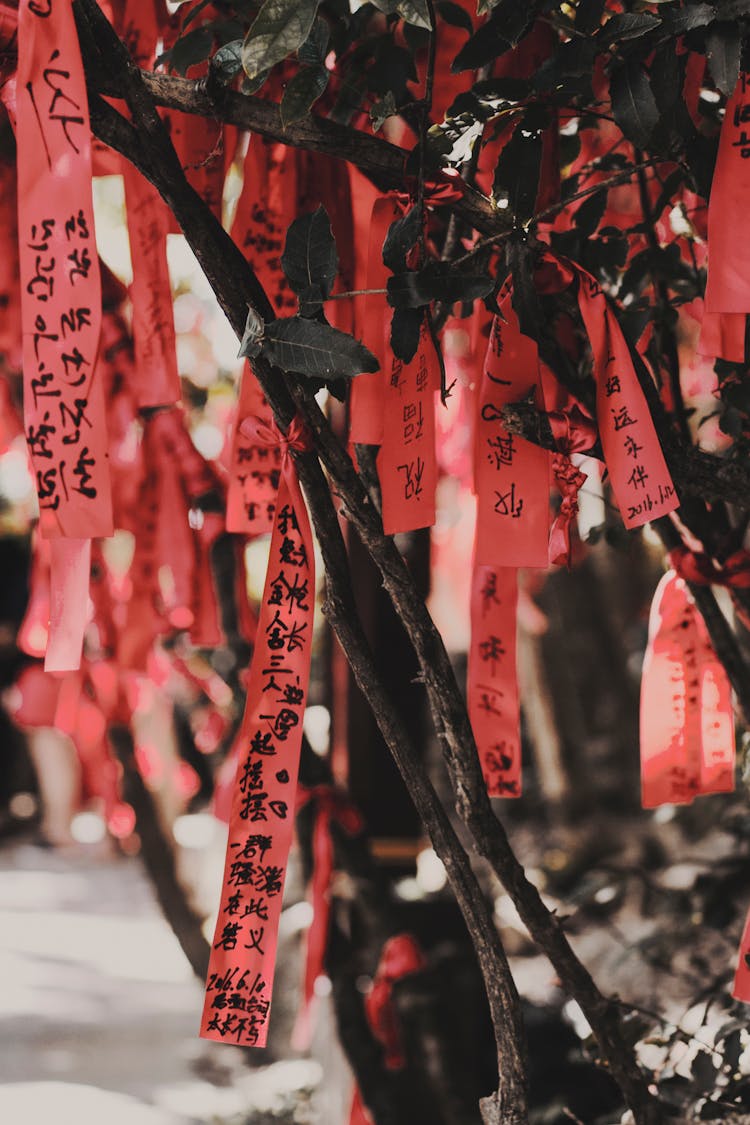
x=400, y=957
x=698, y=568
x=573, y=432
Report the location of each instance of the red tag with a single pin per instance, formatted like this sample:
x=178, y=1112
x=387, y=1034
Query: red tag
x=511, y=476
x=60, y=284
x=243, y=952
x=407, y=462
x=265, y=210
x=741, y=986
x=254, y=468
x=492, y=687
x=687, y=726
x=637, y=469
x=368, y=389
x=728, y=284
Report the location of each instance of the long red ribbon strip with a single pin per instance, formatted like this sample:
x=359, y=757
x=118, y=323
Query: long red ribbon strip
x=60, y=306
x=243, y=952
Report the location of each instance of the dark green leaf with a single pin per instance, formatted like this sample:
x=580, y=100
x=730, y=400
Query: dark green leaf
x=251, y=339
x=402, y=234
x=589, y=214
x=633, y=103
x=517, y=173
x=508, y=23
x=309, y=260
x=704, y=1070
x=193, y=12
x=195, y=47
x=435, y=282
x=520, y=259
x=382, y=110
x=315, y=48
x=723, y=48
x=311, y=348
x=280, y=28
x=627, y=26
x=406, y=325
x=302, y=92
x=415, y=12
x=227, y=62
x=392, y=70
x=252, y=85
x=686, y=19
x=455, y=15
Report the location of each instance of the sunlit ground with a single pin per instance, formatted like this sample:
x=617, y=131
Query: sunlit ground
x=99, y=1010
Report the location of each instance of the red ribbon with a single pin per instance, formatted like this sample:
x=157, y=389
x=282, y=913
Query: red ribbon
x=401, y=956
x=686, y=720
x=573, y=432
x=243, y=952
x=698, y=568
x=330, y=807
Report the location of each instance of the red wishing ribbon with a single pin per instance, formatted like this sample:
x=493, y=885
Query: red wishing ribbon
x=728, y=285
x=687, y=724
x=254, y=467
x=640, y=478
x=60, y=304
x=511, y=475
x=492, y=686
x=741, y=986
x=243, y=952
x=573, y=432
x=407, y=461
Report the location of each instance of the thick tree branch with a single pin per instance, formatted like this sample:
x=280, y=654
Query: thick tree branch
x=233, y=288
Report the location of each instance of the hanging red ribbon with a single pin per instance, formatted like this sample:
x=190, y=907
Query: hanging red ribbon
x=330, y=807
x=728, y=285
x=687, y=725
x=492, y=686
x=60, y=305
x=741, y=986
x=511, y=475
x=573, y=432
x=254, y=467
x=640, y=478
x=243, y=952
x=401, y=956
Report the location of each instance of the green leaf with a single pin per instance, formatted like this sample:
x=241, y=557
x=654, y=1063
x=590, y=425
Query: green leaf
x=227, y=62
x=402, y=234
x=627, y=26
x=697, y=15
x=311, y=348
x=315, y=48
x=280, y=28
x=589, y=214
x=302, y=92
x=415, y=12
x=633, y=103
x=252, y=336
x=723, y=48
x=506, y=26
x=455, y=15
x=436, y=281
x=309, y=260
x=195, y=47
x=406, y=326
x=382, y=110
x=517, y=173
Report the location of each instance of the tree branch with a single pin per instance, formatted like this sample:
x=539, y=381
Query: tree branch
x=233, y=288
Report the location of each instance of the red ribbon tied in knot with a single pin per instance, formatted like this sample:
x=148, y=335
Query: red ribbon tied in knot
x=400, y=957
x=296, y=439
x=331, y=806
x=573, y=432
x=698, y=568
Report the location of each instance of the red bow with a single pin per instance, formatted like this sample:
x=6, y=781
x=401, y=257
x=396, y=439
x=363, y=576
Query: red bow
x=401, y=956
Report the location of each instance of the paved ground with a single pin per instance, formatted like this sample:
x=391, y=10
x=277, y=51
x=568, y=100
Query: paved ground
x=99, y=1010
